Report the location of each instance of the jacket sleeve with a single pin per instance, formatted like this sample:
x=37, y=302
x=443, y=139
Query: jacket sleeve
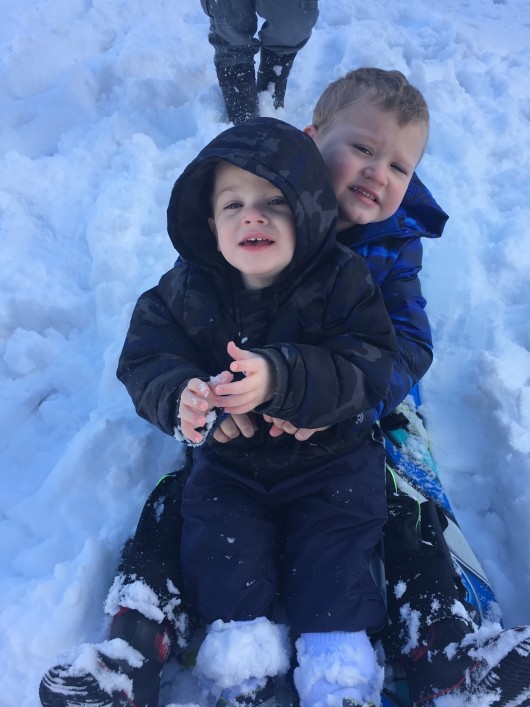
x=405, y=304
x=157, y=361
x=347, y=371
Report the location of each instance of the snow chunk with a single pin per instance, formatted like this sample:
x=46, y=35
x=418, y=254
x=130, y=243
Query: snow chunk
x=237, y=651
x=133, y=595
x=412, y=621
x=399, y=589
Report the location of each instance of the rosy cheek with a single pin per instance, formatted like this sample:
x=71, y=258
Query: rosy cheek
x=335, y=165
x=395, y=199
x=389, y=208
x=341, y=167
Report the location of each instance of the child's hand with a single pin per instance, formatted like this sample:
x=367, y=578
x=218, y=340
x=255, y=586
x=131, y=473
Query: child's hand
x=300, y=433
x=232, y=426
x=254, y=389
x=196, y=401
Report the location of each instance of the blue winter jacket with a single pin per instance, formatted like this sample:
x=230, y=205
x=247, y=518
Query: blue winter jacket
x=393, y=252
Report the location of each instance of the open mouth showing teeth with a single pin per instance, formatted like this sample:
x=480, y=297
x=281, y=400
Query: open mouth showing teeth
x=256, y=241
x=364, y=193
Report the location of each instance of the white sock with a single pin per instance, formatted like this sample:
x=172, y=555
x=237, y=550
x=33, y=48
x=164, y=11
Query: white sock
x=238, y=656
x=335, y=665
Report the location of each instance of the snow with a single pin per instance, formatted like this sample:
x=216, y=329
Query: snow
x=103, y=104
x=265, y=645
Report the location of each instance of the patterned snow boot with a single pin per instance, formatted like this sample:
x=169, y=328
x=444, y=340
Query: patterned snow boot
x=497, y=665
x=121, y=672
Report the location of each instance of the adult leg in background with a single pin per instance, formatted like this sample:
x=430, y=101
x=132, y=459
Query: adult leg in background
x=287, y=28
x=233, y=24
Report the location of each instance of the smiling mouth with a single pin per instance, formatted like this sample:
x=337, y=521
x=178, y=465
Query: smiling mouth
x=255, y=241
x=360, y=191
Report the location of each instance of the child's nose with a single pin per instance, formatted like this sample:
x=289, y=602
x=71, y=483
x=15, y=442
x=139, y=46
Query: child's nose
x=377, y=172
x=253, y=214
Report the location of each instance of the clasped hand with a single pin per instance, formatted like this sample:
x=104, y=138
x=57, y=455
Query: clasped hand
x=234, y=425
x=236, y=397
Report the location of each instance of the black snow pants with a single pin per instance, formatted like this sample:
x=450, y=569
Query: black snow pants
x=418, y=565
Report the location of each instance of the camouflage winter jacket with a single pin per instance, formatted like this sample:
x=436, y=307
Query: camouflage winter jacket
x=322, y=324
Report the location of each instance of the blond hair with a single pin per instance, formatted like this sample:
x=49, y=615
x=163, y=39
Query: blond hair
x=388, y=90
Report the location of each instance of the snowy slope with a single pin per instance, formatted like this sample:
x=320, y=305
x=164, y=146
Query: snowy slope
x=102, y=106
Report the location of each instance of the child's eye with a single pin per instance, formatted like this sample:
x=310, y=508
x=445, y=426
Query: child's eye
x=233, y=205
x=362, y=149
x=278, y=201
x=400, y=169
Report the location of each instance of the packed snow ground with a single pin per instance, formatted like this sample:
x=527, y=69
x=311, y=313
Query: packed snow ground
x=103, y=104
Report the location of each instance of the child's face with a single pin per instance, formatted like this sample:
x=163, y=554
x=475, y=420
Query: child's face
x=253, y=224
x=371, y=159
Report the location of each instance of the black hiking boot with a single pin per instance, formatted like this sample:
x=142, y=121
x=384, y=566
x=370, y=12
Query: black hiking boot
x=121, y=672
x=497, y=667
x=274, y=69
x=238, y=84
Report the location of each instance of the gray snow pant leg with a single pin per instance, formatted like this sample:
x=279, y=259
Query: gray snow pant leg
x=233, y=24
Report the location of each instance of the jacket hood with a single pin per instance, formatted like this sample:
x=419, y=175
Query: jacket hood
x=271, y=149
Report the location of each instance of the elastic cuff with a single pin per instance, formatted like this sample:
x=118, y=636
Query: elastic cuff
x=318, y=643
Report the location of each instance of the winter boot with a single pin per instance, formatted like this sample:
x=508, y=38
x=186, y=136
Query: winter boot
x=262, y=697
x=121, y=672
x=446, y=665
x=278, y=691
x=274, y=69
x=238, y=84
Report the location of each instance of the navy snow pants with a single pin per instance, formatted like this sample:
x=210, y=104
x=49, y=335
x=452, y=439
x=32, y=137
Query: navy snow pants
x=311, y=537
